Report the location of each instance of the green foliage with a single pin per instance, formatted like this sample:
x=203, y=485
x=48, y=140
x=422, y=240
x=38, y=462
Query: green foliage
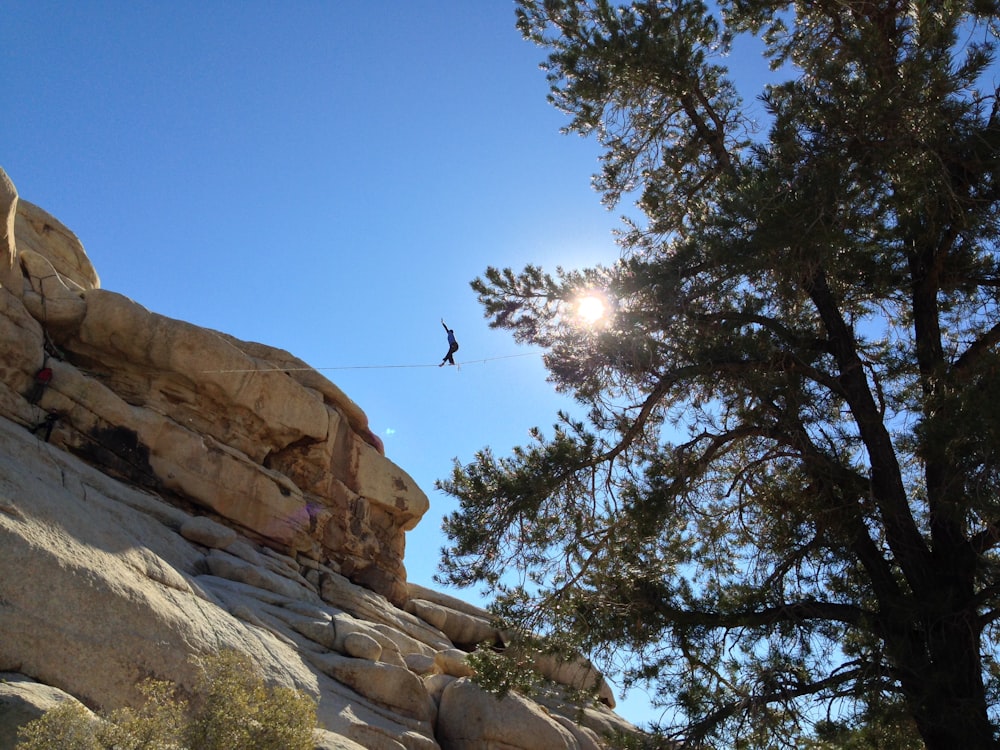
x=236, y=711
x=68, y=726
x=776, y=497
x=499, y=673
x=886, y=727
x=157, y=725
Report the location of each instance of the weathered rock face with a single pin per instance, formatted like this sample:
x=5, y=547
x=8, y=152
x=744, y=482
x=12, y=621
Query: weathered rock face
x=168, y=490
x=239, y=429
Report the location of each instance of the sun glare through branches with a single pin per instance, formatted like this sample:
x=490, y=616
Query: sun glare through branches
x=591, y=308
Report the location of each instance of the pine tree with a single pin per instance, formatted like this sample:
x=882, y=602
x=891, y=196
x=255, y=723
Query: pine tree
x=779, y=499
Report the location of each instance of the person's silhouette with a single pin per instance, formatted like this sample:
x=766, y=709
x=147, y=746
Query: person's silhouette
x=452, y=346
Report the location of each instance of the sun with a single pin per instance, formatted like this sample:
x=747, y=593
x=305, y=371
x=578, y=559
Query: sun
x=591, y=309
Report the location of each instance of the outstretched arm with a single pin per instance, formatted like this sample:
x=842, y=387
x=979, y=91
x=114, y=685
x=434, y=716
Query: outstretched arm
x=443, y=323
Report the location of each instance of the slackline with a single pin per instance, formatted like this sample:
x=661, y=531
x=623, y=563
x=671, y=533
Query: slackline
x=372, y=367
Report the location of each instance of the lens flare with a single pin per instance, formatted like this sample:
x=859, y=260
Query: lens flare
x=591, y=309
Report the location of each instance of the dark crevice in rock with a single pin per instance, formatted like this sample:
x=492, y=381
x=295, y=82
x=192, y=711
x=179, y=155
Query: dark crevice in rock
x=120, y=452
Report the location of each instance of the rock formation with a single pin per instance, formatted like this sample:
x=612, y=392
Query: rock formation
x=168, y=490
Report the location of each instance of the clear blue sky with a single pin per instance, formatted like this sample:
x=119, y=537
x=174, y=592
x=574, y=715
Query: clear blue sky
x=324, y=177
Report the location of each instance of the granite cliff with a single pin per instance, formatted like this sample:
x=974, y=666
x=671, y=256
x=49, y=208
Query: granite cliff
x=168, y=490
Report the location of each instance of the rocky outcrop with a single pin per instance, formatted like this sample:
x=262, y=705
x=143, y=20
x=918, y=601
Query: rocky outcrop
x=167, y=490
x=241, y=430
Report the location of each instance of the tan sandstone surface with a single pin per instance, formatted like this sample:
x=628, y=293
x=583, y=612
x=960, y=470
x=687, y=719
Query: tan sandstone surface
x=167, y=490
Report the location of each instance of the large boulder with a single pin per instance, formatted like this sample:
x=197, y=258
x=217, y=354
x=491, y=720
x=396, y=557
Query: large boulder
x=100, y=590
x=465, y=629
x=242, y=430
x=472, y=719
x=39, y=232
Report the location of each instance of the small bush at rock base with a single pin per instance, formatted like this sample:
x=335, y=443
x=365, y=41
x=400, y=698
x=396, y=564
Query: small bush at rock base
x=234, y=710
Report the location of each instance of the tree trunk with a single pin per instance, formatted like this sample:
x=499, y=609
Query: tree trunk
x=948, y=698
